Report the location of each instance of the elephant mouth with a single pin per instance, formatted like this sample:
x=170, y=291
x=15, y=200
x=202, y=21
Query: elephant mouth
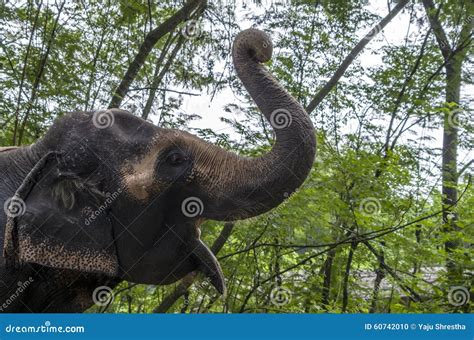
x=195, y=257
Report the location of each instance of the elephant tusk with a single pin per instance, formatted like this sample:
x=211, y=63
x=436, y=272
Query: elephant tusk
x=209, y=266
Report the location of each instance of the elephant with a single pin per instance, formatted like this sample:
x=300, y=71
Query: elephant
x=105, y=196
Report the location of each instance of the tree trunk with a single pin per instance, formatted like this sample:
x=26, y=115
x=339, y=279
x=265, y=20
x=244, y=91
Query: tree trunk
x=159, y=74
x=345, y=291
x=453, y=57
x=380, y=274
x=449, y=173
x=327, y=270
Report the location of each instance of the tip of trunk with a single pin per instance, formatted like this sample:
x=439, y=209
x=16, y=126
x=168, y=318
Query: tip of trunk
x=254, y=44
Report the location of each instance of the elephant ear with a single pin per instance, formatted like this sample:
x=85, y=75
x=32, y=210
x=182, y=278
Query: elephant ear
x=57, y=219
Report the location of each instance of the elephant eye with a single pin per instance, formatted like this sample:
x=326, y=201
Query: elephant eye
x=175, y=159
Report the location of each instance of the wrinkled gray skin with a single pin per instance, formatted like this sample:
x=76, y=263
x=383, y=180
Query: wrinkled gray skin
x=109, y=204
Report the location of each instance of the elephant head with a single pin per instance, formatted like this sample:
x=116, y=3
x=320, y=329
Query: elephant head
x=113, y=194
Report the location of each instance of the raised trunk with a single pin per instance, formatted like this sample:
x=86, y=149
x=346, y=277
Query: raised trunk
x=242, y=187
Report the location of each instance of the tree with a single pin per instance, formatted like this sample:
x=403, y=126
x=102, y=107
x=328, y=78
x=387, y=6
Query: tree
x=454, y=54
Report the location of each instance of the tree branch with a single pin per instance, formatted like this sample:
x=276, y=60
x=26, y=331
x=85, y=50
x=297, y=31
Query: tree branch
x=23, y=73
x=159, y=77
x=150, y=41
x=348, y=240
x=39, y=75
x=438, y=30
x=401, y=94
x=164, y=89
x=465, y=167
x=413, y=295
x=352, y=55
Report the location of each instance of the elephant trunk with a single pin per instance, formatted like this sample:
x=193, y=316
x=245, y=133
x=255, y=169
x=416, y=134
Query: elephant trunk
x=246, y=187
